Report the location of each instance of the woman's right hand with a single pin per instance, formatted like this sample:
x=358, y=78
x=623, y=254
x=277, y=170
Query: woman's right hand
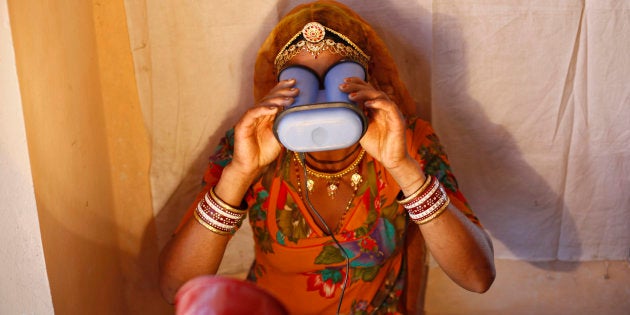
x=255, y=145
x=196, y=251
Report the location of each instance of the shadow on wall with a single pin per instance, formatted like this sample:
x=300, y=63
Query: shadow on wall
x=405, y=27
x=97, y=276
x=524, y=213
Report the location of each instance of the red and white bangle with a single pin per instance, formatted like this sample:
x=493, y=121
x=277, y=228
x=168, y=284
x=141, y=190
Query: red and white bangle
x=218, y=216
x=427, y=203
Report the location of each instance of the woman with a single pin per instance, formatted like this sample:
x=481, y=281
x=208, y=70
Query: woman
x=342, y=230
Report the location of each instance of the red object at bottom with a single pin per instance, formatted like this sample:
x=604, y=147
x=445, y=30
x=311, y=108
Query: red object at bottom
x=216, y=295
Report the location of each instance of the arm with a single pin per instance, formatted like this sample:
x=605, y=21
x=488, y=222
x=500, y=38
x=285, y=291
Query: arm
x=416, y=270
x=195, y=250
x=461, y=248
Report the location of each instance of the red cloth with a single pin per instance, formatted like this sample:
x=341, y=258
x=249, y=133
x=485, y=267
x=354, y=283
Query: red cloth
x=216, y=295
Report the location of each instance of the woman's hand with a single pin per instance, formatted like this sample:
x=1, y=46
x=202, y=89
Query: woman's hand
x=385, y=136
x=255, y=145
x=195, y=250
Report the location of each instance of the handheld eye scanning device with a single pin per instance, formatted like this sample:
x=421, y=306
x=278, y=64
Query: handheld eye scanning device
x=321, y=119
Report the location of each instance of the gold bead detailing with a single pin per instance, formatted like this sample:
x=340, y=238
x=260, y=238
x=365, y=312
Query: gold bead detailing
x=315, y=43
x=339, y=174
x=333, y=179
x=310, y=182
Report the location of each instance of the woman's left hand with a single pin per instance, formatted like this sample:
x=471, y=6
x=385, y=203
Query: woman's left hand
x=385, y=136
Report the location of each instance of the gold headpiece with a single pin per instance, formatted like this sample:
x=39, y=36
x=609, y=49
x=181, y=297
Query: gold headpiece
x=315, y=42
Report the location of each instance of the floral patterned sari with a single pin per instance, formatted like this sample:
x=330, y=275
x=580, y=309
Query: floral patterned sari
x=303, y=267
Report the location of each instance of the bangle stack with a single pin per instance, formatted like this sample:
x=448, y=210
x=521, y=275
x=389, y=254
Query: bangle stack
x=218, y=216
x=427, y=203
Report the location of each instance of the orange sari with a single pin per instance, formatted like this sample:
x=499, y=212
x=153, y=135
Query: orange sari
x=303, y=267
x=295, y=260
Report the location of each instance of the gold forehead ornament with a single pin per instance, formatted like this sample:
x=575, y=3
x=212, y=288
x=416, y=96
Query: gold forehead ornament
x=312, y=38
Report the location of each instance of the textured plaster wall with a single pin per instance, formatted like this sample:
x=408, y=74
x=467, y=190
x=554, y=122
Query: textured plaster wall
x=23, y=279
x=89, y=156
x=540, y=288
x=90, y=166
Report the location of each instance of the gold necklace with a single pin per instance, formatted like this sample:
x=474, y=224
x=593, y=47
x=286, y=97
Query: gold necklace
x=332, y=179
x=299, y=189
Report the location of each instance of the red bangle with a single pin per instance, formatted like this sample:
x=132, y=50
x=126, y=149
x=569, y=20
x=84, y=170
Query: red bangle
x=217, y=216
x=428, y=203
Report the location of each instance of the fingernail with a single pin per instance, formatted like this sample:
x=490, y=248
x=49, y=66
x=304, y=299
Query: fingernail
x=347, y=80
x=352, y=95
x=343, y=86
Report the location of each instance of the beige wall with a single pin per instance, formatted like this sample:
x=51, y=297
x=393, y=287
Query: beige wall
x=540, y=288
x=23, y=280
x=90, y=158
x=89, y=155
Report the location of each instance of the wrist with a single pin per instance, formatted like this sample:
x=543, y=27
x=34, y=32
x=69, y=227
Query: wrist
x=239, y=172
x=408, y=174
x=233, y=184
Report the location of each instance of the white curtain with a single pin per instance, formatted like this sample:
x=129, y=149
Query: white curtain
x=531, y=99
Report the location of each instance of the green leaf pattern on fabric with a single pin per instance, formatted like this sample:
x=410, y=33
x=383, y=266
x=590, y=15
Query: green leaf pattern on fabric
x=365, y=273
x=434, y=163
x=291, y=222
x=257, y=211
x=263, y=239
x=330, y=255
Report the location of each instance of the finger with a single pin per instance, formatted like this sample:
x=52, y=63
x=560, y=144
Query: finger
x=276, y=101
x=284, y=84
x=281, y=95
x=355, y=80
x=365, y=94
x=351, y=85
x=360, y=91
x=254, y=116
x=291, y=92
x=286, y=92
x=385, y=109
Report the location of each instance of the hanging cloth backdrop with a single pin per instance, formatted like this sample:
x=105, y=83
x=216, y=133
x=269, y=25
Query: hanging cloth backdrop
x=531, y=99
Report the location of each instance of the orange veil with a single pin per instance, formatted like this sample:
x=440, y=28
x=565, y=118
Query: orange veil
x=345, y=21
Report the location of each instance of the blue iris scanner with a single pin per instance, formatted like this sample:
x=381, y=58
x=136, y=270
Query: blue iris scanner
x=321, y=119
